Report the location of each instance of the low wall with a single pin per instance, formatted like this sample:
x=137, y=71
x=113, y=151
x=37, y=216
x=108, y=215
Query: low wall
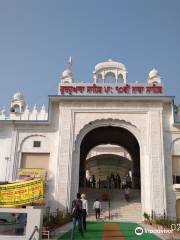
x=34, y=219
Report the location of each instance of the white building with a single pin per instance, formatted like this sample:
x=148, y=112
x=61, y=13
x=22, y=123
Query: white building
x=137, y=117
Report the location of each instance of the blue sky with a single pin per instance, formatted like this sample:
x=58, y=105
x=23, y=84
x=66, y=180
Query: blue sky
x=38, y=36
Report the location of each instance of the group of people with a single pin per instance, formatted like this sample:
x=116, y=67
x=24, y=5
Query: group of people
x=79, y=212
x=112, y=182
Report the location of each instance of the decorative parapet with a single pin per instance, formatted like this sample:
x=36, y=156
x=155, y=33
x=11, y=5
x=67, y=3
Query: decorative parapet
x=36, y=114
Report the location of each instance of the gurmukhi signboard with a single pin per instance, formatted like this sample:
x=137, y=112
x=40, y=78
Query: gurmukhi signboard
x=110, y=90
x=24, y=173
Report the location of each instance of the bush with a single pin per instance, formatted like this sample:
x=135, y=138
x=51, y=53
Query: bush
x=146, y=216
x=164, y=222
x=161, y=220
x=56, y=221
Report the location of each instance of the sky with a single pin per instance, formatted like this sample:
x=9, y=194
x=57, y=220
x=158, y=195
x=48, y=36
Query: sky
x=38, y=36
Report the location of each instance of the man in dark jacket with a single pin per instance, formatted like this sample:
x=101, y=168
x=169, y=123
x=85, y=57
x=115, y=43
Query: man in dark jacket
x=76, y=212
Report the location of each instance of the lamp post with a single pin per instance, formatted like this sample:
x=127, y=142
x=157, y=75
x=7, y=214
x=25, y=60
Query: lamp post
x=109, y=204
x=109, y=210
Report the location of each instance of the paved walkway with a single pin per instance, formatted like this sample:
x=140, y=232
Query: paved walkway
x=110, y=231
x=63, y=229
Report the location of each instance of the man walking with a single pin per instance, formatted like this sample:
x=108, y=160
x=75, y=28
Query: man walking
x=127, y=194
x=76, y=212
x=84, y=210
x=97, y=208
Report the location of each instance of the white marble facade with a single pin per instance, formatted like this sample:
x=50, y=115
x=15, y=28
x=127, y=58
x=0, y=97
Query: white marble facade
x=151, y=119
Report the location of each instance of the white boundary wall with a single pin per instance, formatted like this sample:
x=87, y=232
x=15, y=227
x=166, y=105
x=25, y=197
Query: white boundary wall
x=34, y=218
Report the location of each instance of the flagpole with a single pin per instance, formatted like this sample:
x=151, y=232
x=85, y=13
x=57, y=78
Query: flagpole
x=70, y=62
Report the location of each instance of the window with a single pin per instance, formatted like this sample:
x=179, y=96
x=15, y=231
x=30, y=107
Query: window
x=35, y=160
x=36, y=144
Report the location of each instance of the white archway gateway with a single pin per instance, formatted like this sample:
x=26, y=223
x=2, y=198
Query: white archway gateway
x=146, y=198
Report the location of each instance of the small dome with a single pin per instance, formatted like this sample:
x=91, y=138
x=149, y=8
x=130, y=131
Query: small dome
x=110, y=70
x=18, y=96
x=110, y=64
x=153, y=73
x=17, y=103
x=67, y=73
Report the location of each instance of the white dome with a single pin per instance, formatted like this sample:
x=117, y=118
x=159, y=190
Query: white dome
x=153, y=73
x=18, y=103
x=18, y=96
x=110, y=64
x=67, y=73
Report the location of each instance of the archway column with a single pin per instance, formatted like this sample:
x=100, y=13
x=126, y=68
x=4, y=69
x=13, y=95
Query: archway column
x=157, y=165
x=64, y=167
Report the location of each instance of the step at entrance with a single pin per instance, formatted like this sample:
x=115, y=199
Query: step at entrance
x=120, y=209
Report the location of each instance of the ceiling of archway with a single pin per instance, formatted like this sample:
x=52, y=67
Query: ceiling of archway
x=105, y=164
x=108, y=159
x=110, y=135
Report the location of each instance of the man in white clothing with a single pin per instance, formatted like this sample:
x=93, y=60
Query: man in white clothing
x=97, y=208
x=84, y=210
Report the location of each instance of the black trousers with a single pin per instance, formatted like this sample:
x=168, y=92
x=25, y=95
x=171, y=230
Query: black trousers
x=84, y=214
x=97, y=211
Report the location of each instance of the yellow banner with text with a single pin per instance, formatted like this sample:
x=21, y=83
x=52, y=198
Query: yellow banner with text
x=22, y=193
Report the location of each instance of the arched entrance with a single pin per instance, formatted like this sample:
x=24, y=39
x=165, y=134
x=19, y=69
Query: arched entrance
x=111, y=135
x=112, y=132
